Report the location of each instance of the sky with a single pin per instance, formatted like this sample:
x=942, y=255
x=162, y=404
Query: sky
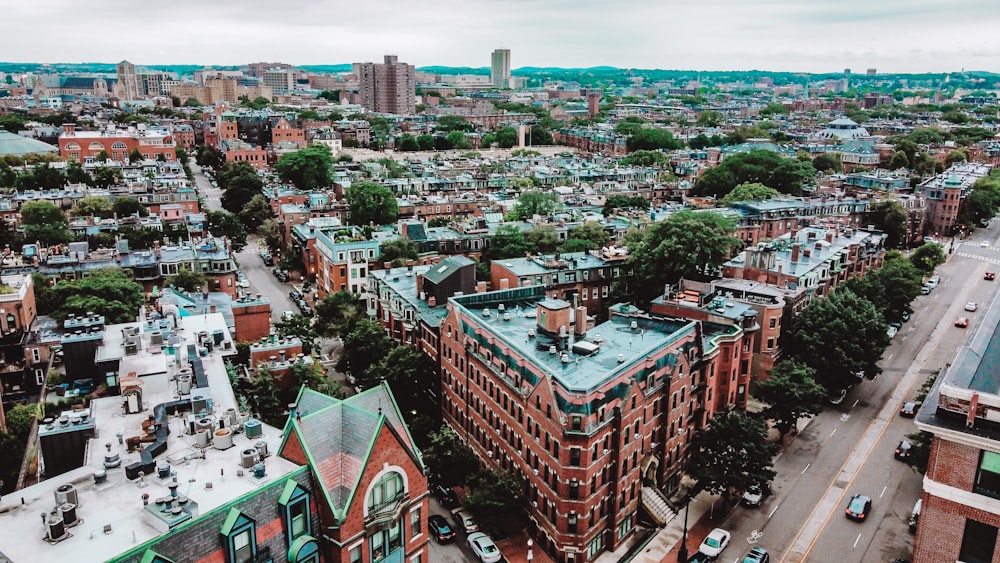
x=893, y=36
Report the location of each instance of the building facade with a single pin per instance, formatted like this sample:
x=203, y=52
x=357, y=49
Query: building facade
x=389, y=87
x=500, y=68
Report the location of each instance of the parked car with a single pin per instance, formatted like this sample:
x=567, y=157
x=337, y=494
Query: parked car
x=440, y=529
x=464, y=520
x=267, y=258
x=909, y=409
x=896, y=324
x=971, y=306
x=753, y=496
x=915, y=515
x=934, y=281
x=962, y=322
x=715, y=542
x=305, y=308
x=84, y=386
x=287, y=315
x=294, y=295
x=858, y=508
x=757, y=555
x=484, y=548
x=984, y=244
x=925, y=289
x=905, y=316
x=904, y=450
x=989, y=276
x=700, y=557
x=282, y=275
x=445, y=495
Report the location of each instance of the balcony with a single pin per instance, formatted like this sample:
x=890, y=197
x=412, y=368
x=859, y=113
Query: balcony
x=383, y=516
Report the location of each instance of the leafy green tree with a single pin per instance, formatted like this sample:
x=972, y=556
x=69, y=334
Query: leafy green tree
x=709, y=118
x=128, y=206
x=590, y=231
x=260, y=102
x=890, y=288
x=299, y=327
x=13, y=122
x=646, y=158
x=44, y=222
x=263, y=396
x=7, y=175
x=613, y=202
x=256, y=212
x=890, y=217
x=309, y=168
x=839, y=336
x=543, y=238
x=450, y=123
x=135, y=156
x=192, y=103
x=41, y=177
x=208, y=157
x=105, y=177
x=187, y=280
x=497, y=499
x=535, y=202
x=408, y=372
x=828, y=162
x=75, y=174
x=272, y=235
x=425, y=142
x=539, y=136
x=371, y=204
x=223, y=224
x=398, y=250
x=505, y=138
x=750, y=192
x=19, y=420
x=685, y=245
x=897, y=160
x=94, y=205
x=775, y=108
x=338, y=313
x=957, y=155
x=649, y=138
x=732, y=454
x=9, y=237
x=927, y=256
x=364, y=346
x=791, y=393
x=11, y=456
x=239, y=182
x=407, y=143
x=787, y=175
x=458, y=140
x=450, y=461
x=508, y=242
x=109, y=291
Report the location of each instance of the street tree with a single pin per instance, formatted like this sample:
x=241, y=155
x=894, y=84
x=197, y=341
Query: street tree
x=7, y=175
x=926, y=257
x=398, y=251
x=542, y=239
x=224, y=224
x=785, y=174
x=45, y=222
x=889, y=216
x=828, y=162
x=983, y=202
x=497, y=499
x=300, y=327
x=731, y=454
x=109, y=291
x=450, y=461
x=409, y=374
x=791, y=393
x=271, y=234
x=685, y=245
x=239, y=182
x=371, y=204
x=93, y=206
x=425, y=142
x=338, y=313
x=75, y=174
x=535, y=202
x=187, y=280
x=508, y=242
x=841, y=336
x=753, y=191
x=41, y=177
x=457, y=140
x=257, y=211
x=309, y=168
x=128, y=206
x=890, y=288
x=449, y=123
x=135, y=156
x=505, y=138
x=364, y=346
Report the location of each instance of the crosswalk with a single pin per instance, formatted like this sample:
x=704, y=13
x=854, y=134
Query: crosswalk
x=979, y=257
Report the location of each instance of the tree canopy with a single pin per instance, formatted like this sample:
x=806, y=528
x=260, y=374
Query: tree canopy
x=889, y=216
x=791, y=393
x=652, y=139
x=371, y=203
x=223, y=224
x=645, y=158
x=508, y=242
x=613, y=202
x=785, y=174
x=309, y=168
x=44, y=222
x=364, y=346
x=338, y=312
x=750, y=192
x=731, y=454
x=828, y=162
x=239, y=182
x=107, y=291
x=890, y=288
x=927, y=256
x=397, y=250
x=535, y=202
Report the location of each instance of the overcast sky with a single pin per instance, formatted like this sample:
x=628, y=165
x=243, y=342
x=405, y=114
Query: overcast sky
x=781, y=35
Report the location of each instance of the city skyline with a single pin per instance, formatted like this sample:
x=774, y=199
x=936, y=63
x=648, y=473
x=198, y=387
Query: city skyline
x=776, y=35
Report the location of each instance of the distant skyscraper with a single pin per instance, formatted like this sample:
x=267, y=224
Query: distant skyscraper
x=388, y=88
x=128, y=81
x=500, y=68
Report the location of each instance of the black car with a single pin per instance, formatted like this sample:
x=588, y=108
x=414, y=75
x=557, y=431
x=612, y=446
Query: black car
x=267, y=258
x=909, y=409
x=445, y=496
x=904, y=450
x=295, y=295
x=440, y=528
x=282, y=275
x=306, y=309
x=699, y=557
x=858, y=508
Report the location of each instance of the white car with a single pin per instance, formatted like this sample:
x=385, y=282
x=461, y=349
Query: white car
x=970, y=306
x=714, y=543
x=484, y=548
x=984, y=244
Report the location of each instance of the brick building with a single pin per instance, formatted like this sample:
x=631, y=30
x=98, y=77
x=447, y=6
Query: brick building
x=389, y=87
x=960, y=512
x=945, y=195
x=84, y=146
x=19, y=378
x=576, y=277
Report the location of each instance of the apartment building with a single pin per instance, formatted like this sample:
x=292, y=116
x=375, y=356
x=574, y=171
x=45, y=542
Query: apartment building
x=389, y=87
x=583, y=278
x=84, y=146
x=945, y=195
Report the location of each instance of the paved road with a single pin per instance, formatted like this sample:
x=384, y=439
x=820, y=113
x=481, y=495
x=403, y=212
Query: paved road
x=849, y=448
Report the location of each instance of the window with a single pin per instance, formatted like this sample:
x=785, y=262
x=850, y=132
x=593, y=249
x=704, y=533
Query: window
x=354, y=555
x=978, y=542
x=988, y=476
x=294, y=502
x=240, y=532
x=415, y=526
x=386, y=490
x=574, y=457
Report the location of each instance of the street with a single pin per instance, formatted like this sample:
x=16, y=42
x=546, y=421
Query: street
x=848, y=449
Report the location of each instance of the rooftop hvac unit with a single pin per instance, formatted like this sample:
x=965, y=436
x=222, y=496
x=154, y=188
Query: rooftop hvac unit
x=261, y=447
x=55, y=530
x=68, y=514
x=253, y=429
x=131, y=348
x=223, y=439
x=184, y=384
x=67, y=494
x=156, y=339
x=248, y=458
x=202, y=438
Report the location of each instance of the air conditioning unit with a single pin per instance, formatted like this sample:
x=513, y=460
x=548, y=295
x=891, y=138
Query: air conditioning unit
x=66, y=494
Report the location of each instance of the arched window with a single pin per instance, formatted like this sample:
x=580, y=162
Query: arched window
x=385, y=490
x=119, y=146
x=95, y=146
x=72, y=147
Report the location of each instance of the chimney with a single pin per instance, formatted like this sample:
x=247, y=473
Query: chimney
x=829, y=236
x=580, y=327
x=211, y=309
x=480, y=287
x=156, y=248
x=795, y=252
x=69, y=128
x=431, y=301
x=282, y=355
x=504, y=283
x=386, y=265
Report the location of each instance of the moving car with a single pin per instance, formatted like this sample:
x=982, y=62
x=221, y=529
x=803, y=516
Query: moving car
x=757, y=555
x=904, y=450
x=445, y=495
x=440, y=529
x=858, y=508
x=464, y=520
x=962, y=322
x=909, y=409
x=989, y=276
x=715, y=542
x=484, y=548
x=971, y=306
x=753, y=496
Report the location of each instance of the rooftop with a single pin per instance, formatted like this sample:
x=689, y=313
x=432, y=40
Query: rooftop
x=17, y=145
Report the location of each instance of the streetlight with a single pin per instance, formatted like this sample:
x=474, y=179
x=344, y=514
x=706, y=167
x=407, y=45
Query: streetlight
x=682, y=553
x=530, y=554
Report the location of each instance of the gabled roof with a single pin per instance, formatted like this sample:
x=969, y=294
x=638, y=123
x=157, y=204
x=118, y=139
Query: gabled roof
x=446, y=267
x=338, y=437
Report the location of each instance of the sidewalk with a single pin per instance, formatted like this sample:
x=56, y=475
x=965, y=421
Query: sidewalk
x=515, y=550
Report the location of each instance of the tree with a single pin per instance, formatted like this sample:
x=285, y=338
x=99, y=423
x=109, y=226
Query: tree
x=264, y=396
x=398, y=250
x=299, y=327
x=535, y=202
x=338, y=313
x=497, y=500
x=504, y=138
x=371, y=204
x=450, y=123
x=128, y=206
x=889, y=216
x=223, y=224
x=983, y=201
x=458, y=140
x=649, y=138
x=686, y=244
x=791, y=393
x=425, y=142
x=187, y=280
x=450, y=461
x=957, y=155
x=897, y=160
x=105, y=177
x=750, y=192
x=828, y=162
x=646, y=158
x=364, y=346
x=75, y=174
x=407, y=143
x=192, y=103
x=239, y=182
x=928, y=256
x=623, y=202
x=256, y=212
x=589, y=231
x=93, y=206
x=732, y=454
x=309, y=168
x=542, y=239
x=774, y=108
x=709, y=118
x=208, y=157
x=44, y=222
x=272, y=235
x=135, y=156
x=787, y=175
x=41, y=177
x=108, y=291
x=7, y=175
x=408, y=372
x=890, y=288
x=508, y=242
x=840, y=336
x=19, y=420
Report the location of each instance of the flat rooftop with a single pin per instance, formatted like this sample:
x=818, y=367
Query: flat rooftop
x=113, y=518
x=619, y=346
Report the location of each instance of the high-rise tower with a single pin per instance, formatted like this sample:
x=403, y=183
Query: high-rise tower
x=500, y=68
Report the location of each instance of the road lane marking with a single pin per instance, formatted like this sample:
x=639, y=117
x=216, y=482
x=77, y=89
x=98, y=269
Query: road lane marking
x=773, y=510
x=890, y=356
x=805, y=468
x=856, y=401
x=857, y=540
x=883, y=491
x=904, y=338
x=834, y=432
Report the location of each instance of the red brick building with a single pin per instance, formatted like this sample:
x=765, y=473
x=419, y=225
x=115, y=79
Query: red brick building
x=84, y=146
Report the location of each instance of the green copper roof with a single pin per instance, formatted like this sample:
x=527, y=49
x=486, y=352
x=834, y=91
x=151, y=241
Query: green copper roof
x=17, y=145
